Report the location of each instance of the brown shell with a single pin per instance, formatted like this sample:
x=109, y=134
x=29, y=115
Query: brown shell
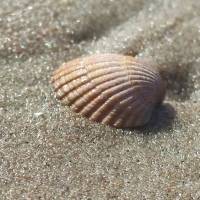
x=117, y=90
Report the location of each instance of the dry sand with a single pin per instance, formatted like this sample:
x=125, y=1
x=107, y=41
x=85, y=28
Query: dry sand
x=47, y=151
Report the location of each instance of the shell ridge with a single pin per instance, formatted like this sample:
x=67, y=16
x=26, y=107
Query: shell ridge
x=71, y=73
x=143, y=73
x=110, y=97
x=69, y=66
x=109, y=106
x=142, y=65
x=100, y=64
x=63, y=80
x=68, y=81
x=102, y=87
x=143, y=117
x=133, y=119
x=143, y=70
x=109, y=91
x=71, y=97
x=79, y=83
x=146, y=68
x=136, y=78
x=135, y=107
x=116, y=90
x=65, y=72
x=67, y=88
x=120, y=110
x=133, y=81
x=100, y=84
x=99, y=72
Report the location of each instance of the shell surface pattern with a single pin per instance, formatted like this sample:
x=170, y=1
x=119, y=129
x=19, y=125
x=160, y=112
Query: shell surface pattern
x=117, y=90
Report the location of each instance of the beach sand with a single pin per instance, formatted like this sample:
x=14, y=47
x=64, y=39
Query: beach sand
x=49, y=152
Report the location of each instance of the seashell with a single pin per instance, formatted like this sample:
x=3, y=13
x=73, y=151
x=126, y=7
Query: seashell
x=117, y=90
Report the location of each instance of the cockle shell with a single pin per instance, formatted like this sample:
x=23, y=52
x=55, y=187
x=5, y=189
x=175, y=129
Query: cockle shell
x=117, y=90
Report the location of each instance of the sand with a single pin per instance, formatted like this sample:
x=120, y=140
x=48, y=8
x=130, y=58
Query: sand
x=49, y=152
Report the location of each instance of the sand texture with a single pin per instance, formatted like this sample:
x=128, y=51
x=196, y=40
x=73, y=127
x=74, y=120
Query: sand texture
x=49, y=152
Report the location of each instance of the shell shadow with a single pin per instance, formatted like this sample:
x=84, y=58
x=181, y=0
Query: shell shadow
x=161, y=120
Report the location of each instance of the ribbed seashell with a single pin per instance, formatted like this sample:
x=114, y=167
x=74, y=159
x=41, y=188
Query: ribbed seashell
x=117, y=90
